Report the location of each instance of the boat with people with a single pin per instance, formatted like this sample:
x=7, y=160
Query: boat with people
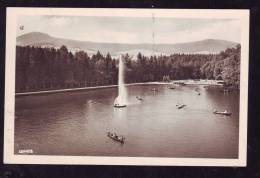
x=179, y=106
x=154, y=89
x=198, y=93
x=227, y=90
x=197, y=90
x=116, y=137
x=139, y=98
x=226, y=113
x=117, y=105
x=179, y=83
x=171, y=87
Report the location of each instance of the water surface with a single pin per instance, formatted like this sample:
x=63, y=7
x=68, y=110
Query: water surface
x=75, y=123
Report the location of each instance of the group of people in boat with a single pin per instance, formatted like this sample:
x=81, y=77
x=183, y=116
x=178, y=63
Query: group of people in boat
x=116, y=137
x=171, y=87
x=222, y=112
x=154, y=89
x=117, y=105
x=139, y=98
x=180, y=105
x=197, y=90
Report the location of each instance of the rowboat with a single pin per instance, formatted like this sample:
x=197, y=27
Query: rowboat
x=226, y=113
x=171, y=87
x=119, y=106
x=115, y=137
x=179, y=106
x=139, y=98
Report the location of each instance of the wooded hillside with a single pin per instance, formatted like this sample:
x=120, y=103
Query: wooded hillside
x=48, y=68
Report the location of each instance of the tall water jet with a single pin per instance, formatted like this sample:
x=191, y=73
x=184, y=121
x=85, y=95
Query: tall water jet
x=121, y=99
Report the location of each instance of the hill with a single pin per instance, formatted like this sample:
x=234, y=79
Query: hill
x=203, y=47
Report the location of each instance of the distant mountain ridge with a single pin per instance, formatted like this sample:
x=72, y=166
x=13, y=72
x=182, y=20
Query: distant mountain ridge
x=203, y=47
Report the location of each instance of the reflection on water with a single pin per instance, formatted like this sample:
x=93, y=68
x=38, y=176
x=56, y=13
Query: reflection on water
x=75, y=123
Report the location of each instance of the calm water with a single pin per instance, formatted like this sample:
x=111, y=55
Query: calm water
x=75, y=123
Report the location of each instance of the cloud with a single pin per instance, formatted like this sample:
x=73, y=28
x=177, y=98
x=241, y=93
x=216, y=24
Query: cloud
x=60, y=21
x=132, y=30
x=225, y=30
x=110, y=36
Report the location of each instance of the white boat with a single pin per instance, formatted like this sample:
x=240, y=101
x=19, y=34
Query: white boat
x=197, y=90
x=179, y=106
x=226, y=113
x=119, y=106
x=154, y=89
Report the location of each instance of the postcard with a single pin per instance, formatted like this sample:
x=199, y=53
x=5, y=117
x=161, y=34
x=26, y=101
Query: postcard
x=92, y=86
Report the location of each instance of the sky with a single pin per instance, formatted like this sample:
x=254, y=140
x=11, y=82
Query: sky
x=131, y=29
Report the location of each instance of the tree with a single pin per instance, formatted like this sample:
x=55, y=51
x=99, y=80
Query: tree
x=40, y=68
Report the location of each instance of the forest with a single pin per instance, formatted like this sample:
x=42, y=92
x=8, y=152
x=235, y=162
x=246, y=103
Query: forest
x=49, y=68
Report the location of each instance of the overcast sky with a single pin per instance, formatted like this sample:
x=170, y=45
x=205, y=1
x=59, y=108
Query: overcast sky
x=131, y=29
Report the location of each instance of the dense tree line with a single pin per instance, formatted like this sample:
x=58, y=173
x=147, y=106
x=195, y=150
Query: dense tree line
x=48, y=68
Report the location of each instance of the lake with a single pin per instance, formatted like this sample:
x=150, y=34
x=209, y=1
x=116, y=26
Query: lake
x=76, y=123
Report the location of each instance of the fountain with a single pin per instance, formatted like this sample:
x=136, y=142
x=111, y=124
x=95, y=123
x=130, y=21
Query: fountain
x=121, y=100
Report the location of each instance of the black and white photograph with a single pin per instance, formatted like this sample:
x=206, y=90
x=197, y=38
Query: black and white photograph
x=126, y=86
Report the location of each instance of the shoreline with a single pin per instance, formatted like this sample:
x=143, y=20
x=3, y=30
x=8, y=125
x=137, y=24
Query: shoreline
x=187, y=82
x=75, y=89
